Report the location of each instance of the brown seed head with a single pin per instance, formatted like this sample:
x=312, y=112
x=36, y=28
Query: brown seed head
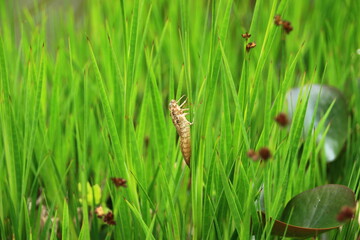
x=99, y=211
x=282, y=119
x=119, y=182
x=346, y=213
x=287, y=26
x=277, y=20
x=253, y=155
x=264, y=153
x=246, y=35
x=250, y=45
x=109, y=218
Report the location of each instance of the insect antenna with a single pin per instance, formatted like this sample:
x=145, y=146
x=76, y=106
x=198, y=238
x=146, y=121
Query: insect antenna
x=180, y=99
x=183, y=103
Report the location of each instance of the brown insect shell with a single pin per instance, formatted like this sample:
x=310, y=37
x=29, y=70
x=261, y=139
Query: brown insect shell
x=182, y=126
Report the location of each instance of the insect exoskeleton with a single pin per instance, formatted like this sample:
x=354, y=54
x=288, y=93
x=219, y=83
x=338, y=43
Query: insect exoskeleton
x=178, y=116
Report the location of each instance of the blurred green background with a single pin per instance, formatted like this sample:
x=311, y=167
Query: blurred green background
x=85, y=87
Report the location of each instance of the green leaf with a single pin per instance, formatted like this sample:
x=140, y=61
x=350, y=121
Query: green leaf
x=138, y=216
x=65, y=222
x=318, y=207
x=230, y=197
x=282, y=229
x=337, y=119
x=314, y=211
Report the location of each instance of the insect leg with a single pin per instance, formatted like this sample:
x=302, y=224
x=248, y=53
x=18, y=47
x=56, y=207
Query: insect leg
x=191, y=123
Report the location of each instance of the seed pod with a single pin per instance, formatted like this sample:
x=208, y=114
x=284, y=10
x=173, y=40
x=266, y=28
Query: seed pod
x=250, y=46
x=346, y=213
x=253, y=155
x=277, y=20
x=287, y=26
x=246, y=35
x=119, y=182
x=182, y=127
x=264, y=153
x=282, y=119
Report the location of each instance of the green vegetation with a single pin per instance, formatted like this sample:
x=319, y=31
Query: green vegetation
x=84, y=94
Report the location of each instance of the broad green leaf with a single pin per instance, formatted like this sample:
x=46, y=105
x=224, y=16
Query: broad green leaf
x=318, y=207
x=324, y=96
x=282, y=229
x=314, y=211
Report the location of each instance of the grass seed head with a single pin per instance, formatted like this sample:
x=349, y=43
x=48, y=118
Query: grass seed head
x=264, y=153
x=346, y=213
x=99, y=211
x=277, y=20
x=282, y=119
x=246, y=35
x=119, y=182
x=253, y=155
x=287, y=26
x=109, y=218
x=250, y=46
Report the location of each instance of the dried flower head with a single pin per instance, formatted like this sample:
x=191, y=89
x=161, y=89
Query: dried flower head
x=287, y=26
x=109, y=218
x=277, y=20
x=250, y=45
x=346, y=213
x=119, y=182
x=282, y=119
x=264, y=153
x=99, y=211
x=246, y=35
x=253, y=155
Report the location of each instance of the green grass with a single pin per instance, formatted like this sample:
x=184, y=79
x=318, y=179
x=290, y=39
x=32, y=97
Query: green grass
x=84, y=93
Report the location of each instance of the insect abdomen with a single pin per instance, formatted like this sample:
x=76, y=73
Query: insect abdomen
x=185, y=143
